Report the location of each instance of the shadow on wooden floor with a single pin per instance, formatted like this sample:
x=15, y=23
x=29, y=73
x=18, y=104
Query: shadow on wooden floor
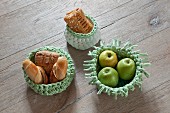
x=44, y=104
x=79, y=56
x=135, y=100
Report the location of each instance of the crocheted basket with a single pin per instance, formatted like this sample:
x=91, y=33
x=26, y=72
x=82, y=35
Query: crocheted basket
x=126, y=51
x=53, y=88
x=83, y=41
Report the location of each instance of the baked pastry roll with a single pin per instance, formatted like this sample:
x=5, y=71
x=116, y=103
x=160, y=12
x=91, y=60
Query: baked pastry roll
x=78, y=22
x=46, y=60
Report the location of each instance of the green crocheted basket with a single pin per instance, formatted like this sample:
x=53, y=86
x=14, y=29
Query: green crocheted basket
x=53, y=88
x=125, y=51
x=83, y=41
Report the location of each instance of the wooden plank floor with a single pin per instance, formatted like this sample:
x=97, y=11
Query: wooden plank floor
x=29, y=24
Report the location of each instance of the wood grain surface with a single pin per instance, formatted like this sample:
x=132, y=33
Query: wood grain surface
x=29, y=24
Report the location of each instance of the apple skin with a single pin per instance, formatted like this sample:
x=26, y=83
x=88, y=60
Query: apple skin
x=126, y=68
x=108, y=58
x=108, y=76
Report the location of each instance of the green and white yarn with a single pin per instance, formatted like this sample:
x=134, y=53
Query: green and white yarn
x=83, y=41
x=141, y=60
x=53, y=88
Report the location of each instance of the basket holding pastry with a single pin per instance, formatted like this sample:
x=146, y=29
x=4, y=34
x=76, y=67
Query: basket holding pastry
x=48, y=70
x=82, y=31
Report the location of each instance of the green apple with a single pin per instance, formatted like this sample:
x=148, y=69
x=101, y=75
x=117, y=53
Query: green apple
x=108, y=76
x=108, y=58
x=126, y=68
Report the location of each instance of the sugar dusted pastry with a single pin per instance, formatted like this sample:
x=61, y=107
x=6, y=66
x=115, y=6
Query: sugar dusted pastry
x=46, y=59
x=78, y=22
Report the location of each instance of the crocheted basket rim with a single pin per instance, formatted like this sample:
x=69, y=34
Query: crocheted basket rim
x=81, y=35
x=52, y=88
x=122, y=52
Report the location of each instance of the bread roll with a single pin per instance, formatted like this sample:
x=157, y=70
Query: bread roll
x=46, y=59
x=32, y=71
x=60, y=68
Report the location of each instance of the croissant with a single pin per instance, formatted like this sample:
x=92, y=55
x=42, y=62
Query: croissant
x=77, y=21
x=46, y=59
x=60, y=68
x=35, y=73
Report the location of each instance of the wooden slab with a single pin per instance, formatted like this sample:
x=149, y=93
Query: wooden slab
x=26, y=25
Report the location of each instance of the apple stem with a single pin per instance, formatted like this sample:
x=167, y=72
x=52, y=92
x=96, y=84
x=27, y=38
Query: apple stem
x=127, y=61
x=109, y=55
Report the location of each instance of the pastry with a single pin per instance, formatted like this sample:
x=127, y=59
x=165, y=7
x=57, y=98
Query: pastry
x=52, y=78
x=50, y=61
x=77, y=21
x=32, y=71
x=46, y=59
x=60, y=68
x=44, y=76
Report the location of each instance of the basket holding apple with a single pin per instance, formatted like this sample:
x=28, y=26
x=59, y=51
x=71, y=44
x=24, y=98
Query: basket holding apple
x=116, y=69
